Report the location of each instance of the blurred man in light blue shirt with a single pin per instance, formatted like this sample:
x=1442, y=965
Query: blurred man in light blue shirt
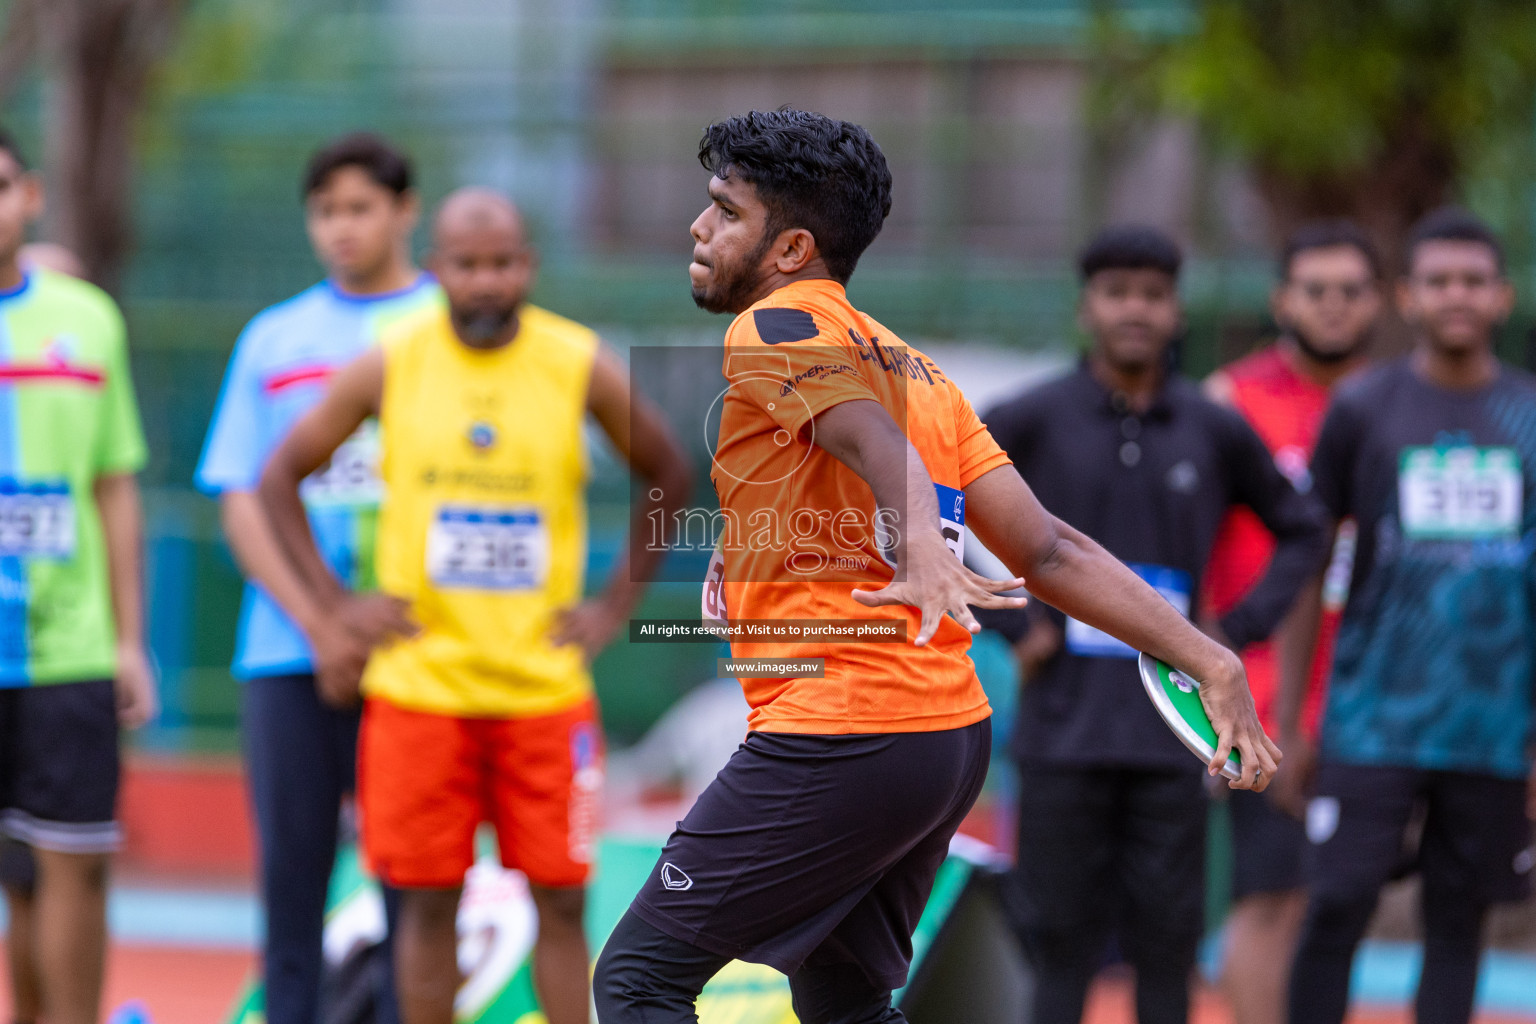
x=300, y=742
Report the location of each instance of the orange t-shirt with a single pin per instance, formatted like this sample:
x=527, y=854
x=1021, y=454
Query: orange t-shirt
x=803, y=530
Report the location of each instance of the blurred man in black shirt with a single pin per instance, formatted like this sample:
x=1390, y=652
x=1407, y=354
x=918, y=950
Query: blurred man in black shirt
x=1111, y=816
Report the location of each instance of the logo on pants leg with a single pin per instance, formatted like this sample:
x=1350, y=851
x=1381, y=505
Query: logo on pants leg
x=674, y=878
x=586, y=791
x=1322, y=819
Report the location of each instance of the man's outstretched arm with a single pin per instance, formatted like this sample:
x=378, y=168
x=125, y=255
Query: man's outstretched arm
x=1068, y=570
x=862, y=436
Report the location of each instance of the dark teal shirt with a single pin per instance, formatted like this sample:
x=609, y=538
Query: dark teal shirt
x=1434, y=662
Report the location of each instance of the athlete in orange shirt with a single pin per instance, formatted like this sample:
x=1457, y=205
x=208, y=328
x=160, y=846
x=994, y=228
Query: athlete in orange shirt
x=1326, y=303
x=849, y=469
x=827, y=510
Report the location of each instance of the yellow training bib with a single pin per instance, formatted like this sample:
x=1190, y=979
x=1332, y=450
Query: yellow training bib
x=483, y=523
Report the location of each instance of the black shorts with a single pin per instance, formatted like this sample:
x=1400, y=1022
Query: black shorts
x=59, y=766
x=1473, y=837
x=1101, y=846
x=818, y=850
x=1268, y=846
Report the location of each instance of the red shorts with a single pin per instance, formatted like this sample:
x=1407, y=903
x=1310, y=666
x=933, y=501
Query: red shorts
x=426, y=781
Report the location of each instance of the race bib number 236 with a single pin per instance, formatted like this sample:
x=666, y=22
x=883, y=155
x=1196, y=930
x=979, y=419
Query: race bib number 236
x=487, y=548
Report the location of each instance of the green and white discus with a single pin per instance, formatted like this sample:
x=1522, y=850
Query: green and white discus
x=1177, y=698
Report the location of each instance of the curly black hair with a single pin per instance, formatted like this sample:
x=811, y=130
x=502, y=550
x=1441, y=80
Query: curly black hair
x=811, y=171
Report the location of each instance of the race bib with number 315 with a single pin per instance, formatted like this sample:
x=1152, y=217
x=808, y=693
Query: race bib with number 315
x=1463, y=493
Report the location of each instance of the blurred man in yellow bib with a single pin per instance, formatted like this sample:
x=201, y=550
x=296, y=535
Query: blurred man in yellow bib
x=478, y=694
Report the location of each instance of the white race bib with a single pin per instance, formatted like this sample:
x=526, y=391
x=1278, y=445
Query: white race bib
x=1464, y=493
x=351, y=478
x=1086, y=640
x=712, y=598
x=487, y=548
x=36, y=521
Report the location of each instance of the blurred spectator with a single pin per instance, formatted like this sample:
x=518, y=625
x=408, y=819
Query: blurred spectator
x=1326, y=305
x=73, y=666
x=685, y=748
x=18, y=868
x=301, y=745
x=1111, y=808
x=479, y=703
x=1429, y=707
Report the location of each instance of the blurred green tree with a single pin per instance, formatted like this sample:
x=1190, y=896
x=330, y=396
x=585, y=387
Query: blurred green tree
x=96, y=58
x=1373, y=109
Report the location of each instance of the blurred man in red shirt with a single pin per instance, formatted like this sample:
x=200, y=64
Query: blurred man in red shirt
x=1325, y=304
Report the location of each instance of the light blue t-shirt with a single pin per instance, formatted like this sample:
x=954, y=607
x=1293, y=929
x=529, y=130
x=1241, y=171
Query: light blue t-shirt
x=278, y=371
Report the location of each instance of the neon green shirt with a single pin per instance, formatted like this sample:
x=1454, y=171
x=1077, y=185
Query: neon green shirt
x=67, y=417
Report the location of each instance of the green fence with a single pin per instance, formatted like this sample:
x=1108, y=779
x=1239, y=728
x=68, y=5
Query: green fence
x=250, y=89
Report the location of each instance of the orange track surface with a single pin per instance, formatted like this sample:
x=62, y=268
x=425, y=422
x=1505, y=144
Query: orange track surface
x=186, y=818
x=177, y=985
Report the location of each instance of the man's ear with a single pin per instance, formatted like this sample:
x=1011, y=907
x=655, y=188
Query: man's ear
x=1506, y=299
x=530, y=267
x=794, y=249
x=409, y=205
x=1277, y=302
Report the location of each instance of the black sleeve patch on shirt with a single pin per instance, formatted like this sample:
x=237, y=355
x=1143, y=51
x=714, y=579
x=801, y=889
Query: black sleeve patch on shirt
x=776, y=326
